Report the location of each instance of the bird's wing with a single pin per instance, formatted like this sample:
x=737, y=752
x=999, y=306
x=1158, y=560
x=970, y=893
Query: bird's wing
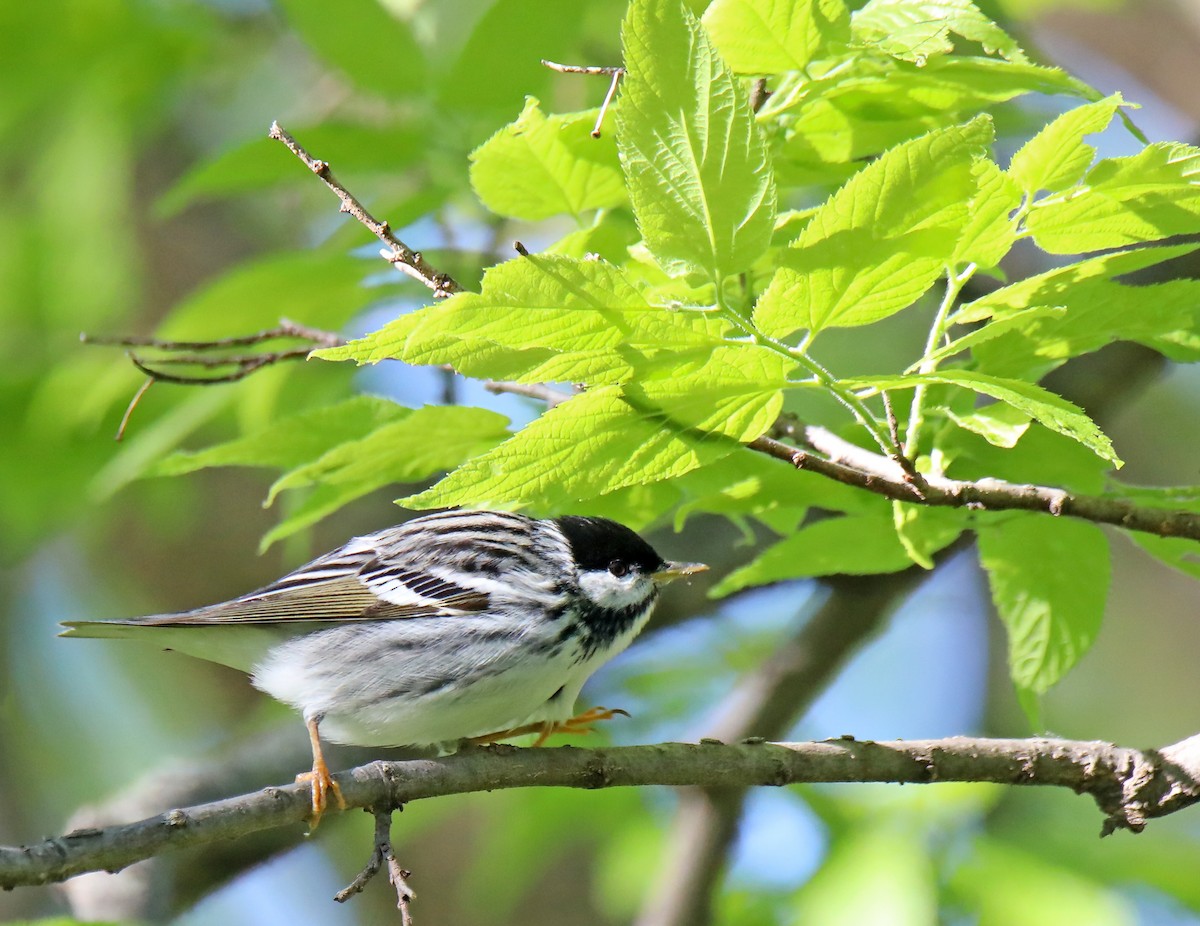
x=355, y=583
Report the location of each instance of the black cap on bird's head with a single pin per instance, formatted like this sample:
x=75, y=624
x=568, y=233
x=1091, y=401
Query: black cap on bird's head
x=598, y=543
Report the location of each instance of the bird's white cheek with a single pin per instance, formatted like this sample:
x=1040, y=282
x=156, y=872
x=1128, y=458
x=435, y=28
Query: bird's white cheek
x=609, y=591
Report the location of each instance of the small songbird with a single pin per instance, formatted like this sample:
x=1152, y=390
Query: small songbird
x=462, y=625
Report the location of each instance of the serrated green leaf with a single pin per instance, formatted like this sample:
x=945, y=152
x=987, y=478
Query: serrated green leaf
x=540, y=318
x=994, y=329
x=426, y=441
x=262, y=163
x=1055, y=286
x=850, y=545
x=733, y=390
x=866, y=109
x=991, y=227
x=1051, y=410
x=1049, y=579
x=999, y=424
x=1152, y=195
x=1057, y=157
x=1031, y=339
x=923, y=530
x=292, y=441
x=540, y=166
x=695, y=164
x=917, y=30
x=881, y=240
x=587, y=446
x=770, y=36
x=371, y=46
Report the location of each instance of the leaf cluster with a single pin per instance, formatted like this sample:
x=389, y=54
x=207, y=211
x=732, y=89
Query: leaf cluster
x=773, y=172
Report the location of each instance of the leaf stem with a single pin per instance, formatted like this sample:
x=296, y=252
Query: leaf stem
x=929, y=362
x=857, y=407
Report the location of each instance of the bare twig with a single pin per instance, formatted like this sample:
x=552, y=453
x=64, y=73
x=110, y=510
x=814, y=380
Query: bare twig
x=383, y=854
x=133, y=403
x=608, y=97
x=397, y=253
x=1130, y=786
x=582, y=68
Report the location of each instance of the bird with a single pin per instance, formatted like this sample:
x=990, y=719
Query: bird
x=455, y=626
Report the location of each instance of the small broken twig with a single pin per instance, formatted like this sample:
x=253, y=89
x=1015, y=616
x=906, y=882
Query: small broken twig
x=381, y=854
x=614, y=71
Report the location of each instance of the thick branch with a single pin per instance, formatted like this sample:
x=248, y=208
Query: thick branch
x=1130, y=786
x=397, y=253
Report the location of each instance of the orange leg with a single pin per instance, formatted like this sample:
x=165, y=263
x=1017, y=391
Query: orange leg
x=320, y=779
x=581, y=723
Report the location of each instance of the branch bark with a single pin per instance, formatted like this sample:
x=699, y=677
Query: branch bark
x=852, y=465
x=1130, y=786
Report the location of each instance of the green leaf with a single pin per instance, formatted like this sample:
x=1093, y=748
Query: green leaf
x=540, y=318
x=540, y=166
x=1152, y=195
x=1177, y=552
x=371, y=46
x=1029, y=338
x=1051, y=410
x=695, y=164
x=1049, y=579
x=587, y=446
x=867, y=108
x=917, y=30
x=994, y=329
x=423, y=442
x=262, y=163
x=924, y=530
x=1057, y=157
x=991, y=226
x=770, y=36
x=291, y=441
x=881, y=240
x=999, y=424
x=733, y=390
x=851, y=545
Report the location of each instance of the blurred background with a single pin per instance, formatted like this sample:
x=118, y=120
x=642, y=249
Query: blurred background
x=137, y=176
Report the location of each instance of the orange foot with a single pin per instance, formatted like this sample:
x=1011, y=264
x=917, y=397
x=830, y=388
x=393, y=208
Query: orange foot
x=581, y=723
x=319, y=778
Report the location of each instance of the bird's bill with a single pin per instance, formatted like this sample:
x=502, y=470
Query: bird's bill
x=672, y=571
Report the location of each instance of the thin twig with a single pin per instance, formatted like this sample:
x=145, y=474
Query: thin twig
x=397, y=253
x=133, y=403
x=582, y=68
x=245, y=365
x=914, y=478
x=382, y=854
x=608, y=97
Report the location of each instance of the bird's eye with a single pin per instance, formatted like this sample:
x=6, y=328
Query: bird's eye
x=618, y=568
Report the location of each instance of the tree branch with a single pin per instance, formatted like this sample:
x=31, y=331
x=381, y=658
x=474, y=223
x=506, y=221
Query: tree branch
x=1129, y=785
x=850, y=464
x=397, y=253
